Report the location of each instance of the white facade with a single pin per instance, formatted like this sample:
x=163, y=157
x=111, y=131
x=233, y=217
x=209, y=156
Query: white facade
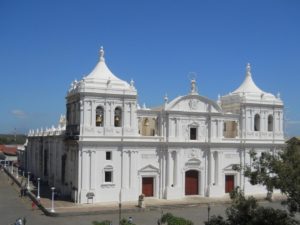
x=109, y=149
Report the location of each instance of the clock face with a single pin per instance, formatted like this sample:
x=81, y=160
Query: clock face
x=193, y=104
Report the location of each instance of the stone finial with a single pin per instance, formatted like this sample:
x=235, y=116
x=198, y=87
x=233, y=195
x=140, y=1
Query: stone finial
x=102, y=54
x=166, y=99
x=278, y=95
x=193, y=86
x=248, y=69
x=132, y=83
x=192, y=76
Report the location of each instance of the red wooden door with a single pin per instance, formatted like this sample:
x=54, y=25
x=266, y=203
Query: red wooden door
x=191, y=182
x=229, y=183
x=147, y=186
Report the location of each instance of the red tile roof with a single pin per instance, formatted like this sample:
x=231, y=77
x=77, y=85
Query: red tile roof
x=8, y=150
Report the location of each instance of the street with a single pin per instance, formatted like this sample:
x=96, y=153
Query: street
x=12, y=207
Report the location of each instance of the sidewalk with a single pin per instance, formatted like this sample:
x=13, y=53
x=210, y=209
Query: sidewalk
x=64, y=207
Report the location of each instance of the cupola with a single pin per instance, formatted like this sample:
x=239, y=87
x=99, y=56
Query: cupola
x=249, y=92
x=102, y=80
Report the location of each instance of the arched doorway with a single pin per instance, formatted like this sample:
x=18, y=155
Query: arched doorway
x=192, y=182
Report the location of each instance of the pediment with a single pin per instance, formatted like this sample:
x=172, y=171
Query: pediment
x=193, y=162
x=149, y=168
x=231, y=167
x=193, y=103
x=108, y=167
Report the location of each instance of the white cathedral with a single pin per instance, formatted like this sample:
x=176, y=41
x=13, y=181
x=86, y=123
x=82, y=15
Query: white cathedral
x=107, y=148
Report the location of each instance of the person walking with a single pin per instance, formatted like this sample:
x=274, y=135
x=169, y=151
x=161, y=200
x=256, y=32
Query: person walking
x=21, y=192
x=24, y=220
x=32, y=205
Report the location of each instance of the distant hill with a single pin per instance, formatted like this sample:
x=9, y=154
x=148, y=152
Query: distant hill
x=9, y=139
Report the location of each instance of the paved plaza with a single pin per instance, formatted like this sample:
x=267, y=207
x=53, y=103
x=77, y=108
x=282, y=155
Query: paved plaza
x=13, y=206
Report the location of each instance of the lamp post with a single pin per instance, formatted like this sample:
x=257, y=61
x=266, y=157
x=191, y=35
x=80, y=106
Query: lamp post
x=38, y=193
x=52, y=205
x=12, y=169
x=120, y=207
x=28, y=178
x=23, y=173
x=208, y=212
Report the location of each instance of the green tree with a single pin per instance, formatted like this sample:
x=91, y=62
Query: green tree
x=105, y=222
x=173, y=220
x=246, y=211
x=279, y=171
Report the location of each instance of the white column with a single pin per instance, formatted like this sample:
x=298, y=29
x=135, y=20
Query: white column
x=221, y=124
x=175, y=169
x=87, y=108
x=126, y=169
x=126, y=111
x=81, y=117
x=130, y=115
x=85, y=171
x=123, y=172
x=108, y=114
x=220, y=169
x=131, y=169
x=169, y=169
x=79, y=174
x=211, y=168
x=93, y=174
x=242, y=162
x=202, y=183
x=93, y=114
x=216, y=167
x=163, y=172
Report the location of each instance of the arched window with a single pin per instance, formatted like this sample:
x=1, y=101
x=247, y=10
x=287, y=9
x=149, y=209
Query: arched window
x=99, y=116
x=118, y=117
x=270, y=123
x=256, y=122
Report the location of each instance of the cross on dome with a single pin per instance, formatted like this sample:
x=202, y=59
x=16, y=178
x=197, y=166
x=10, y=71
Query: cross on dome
x=102, y=54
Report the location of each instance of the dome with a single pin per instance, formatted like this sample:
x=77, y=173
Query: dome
x=102, y=74
x=248, y=86
x=102, y=80
x=249, y=92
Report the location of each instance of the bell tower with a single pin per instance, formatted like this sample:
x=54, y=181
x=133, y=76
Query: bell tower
x=261, y=113
x=101, y=104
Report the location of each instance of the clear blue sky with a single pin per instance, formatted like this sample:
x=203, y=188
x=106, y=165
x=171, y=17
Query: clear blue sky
x=45, y=45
